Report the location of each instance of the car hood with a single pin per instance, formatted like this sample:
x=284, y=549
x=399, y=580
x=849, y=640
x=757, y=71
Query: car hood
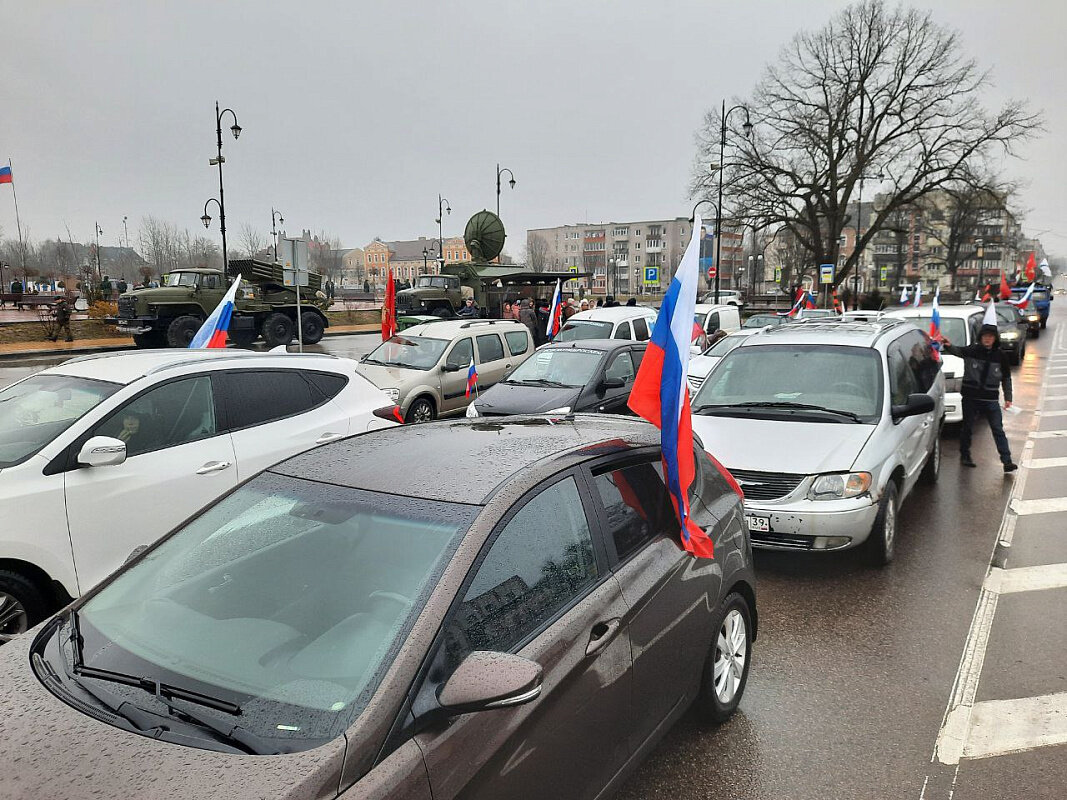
x=51, y=750
x=389, y=377
x=771, y=445
x=509, y=399
x=700, y=366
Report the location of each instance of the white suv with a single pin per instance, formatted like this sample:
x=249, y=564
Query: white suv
x=103, y=454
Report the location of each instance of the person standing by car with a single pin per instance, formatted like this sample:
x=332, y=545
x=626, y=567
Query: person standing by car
x=528, y=317
x=985, y=373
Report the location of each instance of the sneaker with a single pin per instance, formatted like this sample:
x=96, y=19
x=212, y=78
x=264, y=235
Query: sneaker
x=967, y=462
x=1010, y=467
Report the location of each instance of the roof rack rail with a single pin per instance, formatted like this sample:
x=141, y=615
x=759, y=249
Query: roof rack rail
x=474, y=322
x=238, y=356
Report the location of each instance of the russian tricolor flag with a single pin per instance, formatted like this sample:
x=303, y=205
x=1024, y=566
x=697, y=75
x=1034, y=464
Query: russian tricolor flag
x=660, y=393
x=213, y=332
x=472, y=379
x=555, y=311
x=1023, y=301
x=6, y=176
x=935, y=324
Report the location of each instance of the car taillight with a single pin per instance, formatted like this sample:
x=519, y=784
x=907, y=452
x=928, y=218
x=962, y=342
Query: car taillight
x=727, y=475
x=391, y=413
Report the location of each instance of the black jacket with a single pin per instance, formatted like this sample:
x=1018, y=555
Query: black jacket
x=985, y=371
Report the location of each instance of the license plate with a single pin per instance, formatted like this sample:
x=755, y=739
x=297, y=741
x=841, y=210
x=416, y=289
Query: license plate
x=762, y=524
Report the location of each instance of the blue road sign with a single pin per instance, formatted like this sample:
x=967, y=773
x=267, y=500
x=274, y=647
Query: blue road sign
x=651, y=274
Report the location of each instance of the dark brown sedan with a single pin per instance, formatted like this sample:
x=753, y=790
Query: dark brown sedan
x=472, y=609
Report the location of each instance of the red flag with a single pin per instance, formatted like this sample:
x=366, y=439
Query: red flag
x=389, y=309
x=1031, y=267
x=1005, y=290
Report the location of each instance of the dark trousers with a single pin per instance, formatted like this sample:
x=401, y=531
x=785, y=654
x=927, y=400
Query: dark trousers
x=990, y=409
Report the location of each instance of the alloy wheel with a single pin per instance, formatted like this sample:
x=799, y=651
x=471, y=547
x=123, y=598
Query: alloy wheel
x=890, y=527
x=422, y=412
x=731, y=650
x=13, y=617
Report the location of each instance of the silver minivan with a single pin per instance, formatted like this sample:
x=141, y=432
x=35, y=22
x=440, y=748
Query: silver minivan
x=423, y=369
x=827, y=426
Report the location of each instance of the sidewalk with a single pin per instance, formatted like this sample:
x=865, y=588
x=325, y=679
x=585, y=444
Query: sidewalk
x=83, y=346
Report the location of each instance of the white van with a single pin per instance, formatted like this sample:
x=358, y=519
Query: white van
x=617, y=322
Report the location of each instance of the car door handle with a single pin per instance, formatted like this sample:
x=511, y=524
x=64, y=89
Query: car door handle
x=328, y=437
x=601, y=635
x=213, y=466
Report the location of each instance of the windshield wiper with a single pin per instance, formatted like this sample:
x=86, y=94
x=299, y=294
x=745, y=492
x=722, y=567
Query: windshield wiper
x=540, y=382
x=778, y=404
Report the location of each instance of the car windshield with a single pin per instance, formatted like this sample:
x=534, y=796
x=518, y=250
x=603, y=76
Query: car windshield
x=1006, y=314
x=952, y=328
x=769, y=379
x=431, y=282
x=812, y=313
x=289, y=599
x=724, y=346
x=558, y=367
x=35, y=411
x=584, y=329
x=182, y=279
x=413, y=352
x=759, y=320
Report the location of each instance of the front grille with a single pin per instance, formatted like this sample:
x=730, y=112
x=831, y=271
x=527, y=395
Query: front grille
x=794, y=541
x=766, y=485
x=127, y=306
x=696, y=382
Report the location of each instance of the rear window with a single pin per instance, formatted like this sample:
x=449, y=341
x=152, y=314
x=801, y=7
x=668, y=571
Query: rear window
x=257, y=397
x=490, y=348
x=518, y=342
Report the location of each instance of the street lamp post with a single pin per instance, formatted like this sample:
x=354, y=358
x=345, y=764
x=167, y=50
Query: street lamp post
x=859, y=246
x=276, y=219
x=692, y=221
x=126, y=231
x=979, y=253
x=722, y=155
x=206, y=218
x=443, y=208
x=614, y=277
x=219, y=161
x=511, y=183
x=99, y=230
x=426, y=252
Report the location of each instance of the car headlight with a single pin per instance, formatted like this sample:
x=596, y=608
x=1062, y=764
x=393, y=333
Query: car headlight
x=472, y=412
x=838, y=486
x=560, y=410
x=1034, y=318
x=1010, y=336
x=392, y=394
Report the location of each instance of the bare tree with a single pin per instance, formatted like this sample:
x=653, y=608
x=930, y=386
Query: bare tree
x=250, y=240
x=537, y=253
x=326, y=256
x=877, y=92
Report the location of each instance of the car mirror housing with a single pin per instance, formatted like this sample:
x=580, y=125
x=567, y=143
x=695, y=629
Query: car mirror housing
x=102, y=451
x=486, y=680
x=612, y=383
x=916, y=404
x=447, y=367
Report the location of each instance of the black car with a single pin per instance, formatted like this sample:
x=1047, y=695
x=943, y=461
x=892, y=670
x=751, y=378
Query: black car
x=1013, y=330
x=585, y=375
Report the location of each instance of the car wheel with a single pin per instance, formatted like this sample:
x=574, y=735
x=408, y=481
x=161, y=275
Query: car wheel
x=277, y=329
x=152, y=340
x=881, y=544
x=311, y=327
x=421, y=410
x=21, y=605
x=726, y=671
x=243, y=338
x=182, y=329
x=932, y=467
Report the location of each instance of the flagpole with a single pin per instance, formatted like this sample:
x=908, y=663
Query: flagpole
x=18, y=222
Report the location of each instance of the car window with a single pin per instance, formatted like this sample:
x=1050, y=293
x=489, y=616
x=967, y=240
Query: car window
x=621, y=366
x=518, y=342
x=636, y=506
x=623, y=331
x=462, y=352
x=640, y=330
x=712, y=323
x=211, y=282
x=167, y=416
x=920, y=359
x=490, y=348
x=539, y=564
x=255, y=397
x=327, y=384
x=901, y=378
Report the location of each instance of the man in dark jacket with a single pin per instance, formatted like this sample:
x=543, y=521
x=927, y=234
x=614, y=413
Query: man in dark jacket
x=985, y=373
x=528, y=317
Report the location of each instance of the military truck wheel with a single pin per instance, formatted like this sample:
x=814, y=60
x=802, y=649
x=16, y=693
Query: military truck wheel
x=181, y=331
x=311, y=327
x=153, y=340
x=442, y=311
x=243, y=338
x=277, y=329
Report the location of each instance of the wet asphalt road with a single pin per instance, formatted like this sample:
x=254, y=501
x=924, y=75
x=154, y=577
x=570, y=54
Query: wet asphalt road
x=854, y=665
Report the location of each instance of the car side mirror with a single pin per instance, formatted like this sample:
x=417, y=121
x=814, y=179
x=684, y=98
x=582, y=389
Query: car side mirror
x=486, y=680
x=612, y=383
x=916, y=404
x=450, y=367
x=102, y=451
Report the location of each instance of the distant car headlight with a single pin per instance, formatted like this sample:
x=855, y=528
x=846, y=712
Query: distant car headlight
x=560, y=410
x=1033, y=318
x=472, y=412
x=838, y=486
x=1010, y=336
x=392, y=394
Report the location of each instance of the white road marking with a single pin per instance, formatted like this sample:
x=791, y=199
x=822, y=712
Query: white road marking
x=1047, y=505
x=1045, y=463
x=1011, y=726
x=1026, y=579
x=1048, y=434
x=1051, y=413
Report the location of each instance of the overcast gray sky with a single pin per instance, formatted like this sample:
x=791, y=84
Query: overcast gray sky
x=356, y=115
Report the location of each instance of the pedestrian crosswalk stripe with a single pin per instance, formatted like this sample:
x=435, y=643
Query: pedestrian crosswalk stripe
x=998, y=727
x=1048, y=505
x=1047, y=434
x=1045, y=463
x=1026, y=579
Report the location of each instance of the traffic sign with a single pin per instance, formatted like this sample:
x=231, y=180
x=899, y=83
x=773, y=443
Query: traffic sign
x=711, y=272
x=884, y=274
x=777, y=274
x=826, y=274
x=652, y=275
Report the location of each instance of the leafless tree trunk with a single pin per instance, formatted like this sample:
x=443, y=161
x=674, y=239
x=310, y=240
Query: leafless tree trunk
x=537, y=253
x=250, y=240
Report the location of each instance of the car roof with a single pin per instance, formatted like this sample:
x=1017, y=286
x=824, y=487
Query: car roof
x=127, y=367
x=451, y=328
x=592, y=344
x=954, y=311
x=826, y=331
x=704, y=308
x=613, y=314
x=425, y=461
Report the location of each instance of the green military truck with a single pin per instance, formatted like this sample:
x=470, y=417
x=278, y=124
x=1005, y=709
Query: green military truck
x=436, y=295
x=172, y=314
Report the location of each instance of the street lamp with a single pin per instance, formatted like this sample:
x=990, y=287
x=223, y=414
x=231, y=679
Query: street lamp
x=219, y=161
x=206, y=218
x=692, y=221
x=276, y=219
x=99, y=230
x=511, y=183
x=126, y=231
x=426, y=253
x=614, y=277
x=979, y=253
x=443, y=208
x=747, y=127
x=859, y=236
